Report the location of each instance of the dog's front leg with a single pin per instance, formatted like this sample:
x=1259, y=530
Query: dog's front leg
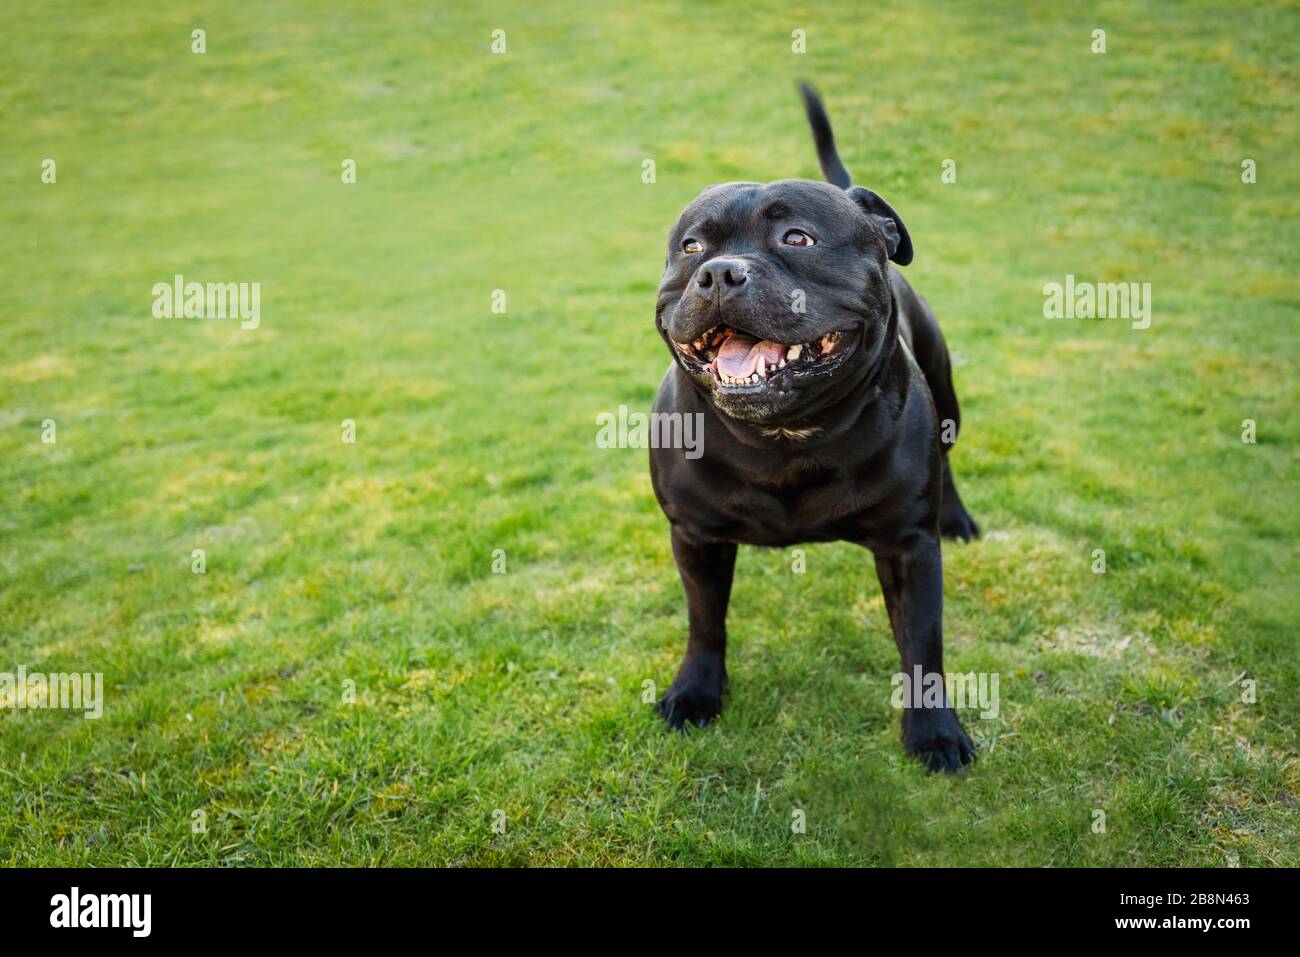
x=706, y=570
x=911, y=576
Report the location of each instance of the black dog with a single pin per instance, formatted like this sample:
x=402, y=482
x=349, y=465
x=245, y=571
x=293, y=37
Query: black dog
x=828, y=412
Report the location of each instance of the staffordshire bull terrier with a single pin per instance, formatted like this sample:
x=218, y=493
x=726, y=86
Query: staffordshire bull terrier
x=829, y=414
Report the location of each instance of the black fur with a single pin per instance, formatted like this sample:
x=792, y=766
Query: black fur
x=845, y=449
x=827, y=155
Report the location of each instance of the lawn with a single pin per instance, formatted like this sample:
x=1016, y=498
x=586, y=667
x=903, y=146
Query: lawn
x=431, y=645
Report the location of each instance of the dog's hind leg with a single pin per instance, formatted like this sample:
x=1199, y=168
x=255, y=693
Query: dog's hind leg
x=920, y=329
x=954, y=520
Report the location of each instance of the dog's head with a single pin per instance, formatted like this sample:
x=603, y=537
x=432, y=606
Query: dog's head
x=775, y=296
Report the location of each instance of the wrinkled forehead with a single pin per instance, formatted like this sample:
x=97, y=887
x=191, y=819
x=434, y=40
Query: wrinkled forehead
x=729, y=206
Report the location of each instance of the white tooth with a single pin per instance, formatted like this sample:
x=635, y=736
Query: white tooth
x=762, y=368
x=754, y=377
x=782, y=365
x=794, y=353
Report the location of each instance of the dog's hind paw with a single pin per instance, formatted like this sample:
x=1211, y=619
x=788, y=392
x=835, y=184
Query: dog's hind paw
x=958, y=524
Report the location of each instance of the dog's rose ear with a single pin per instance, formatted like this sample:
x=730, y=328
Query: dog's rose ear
x=897, y=242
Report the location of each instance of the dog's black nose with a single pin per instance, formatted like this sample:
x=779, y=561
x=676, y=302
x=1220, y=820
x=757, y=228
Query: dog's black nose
x=727, y=274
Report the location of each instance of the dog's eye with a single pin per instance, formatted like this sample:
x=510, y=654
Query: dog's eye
x=797, y=237
x=692, y=246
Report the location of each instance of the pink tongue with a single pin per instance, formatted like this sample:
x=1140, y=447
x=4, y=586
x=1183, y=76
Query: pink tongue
x=739, y=355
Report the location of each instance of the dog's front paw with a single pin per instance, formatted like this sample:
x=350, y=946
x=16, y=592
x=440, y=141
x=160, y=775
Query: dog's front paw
x=936, y=737
x=696, y=695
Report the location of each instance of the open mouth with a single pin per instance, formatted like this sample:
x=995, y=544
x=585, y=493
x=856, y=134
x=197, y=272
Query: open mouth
x=738, y=359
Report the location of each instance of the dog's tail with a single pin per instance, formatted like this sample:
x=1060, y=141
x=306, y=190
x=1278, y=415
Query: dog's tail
x=832, y=168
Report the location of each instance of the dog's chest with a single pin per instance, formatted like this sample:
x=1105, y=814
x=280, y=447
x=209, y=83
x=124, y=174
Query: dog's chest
x=803, y=500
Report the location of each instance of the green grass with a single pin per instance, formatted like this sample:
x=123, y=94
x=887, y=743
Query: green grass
x=372, y=562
